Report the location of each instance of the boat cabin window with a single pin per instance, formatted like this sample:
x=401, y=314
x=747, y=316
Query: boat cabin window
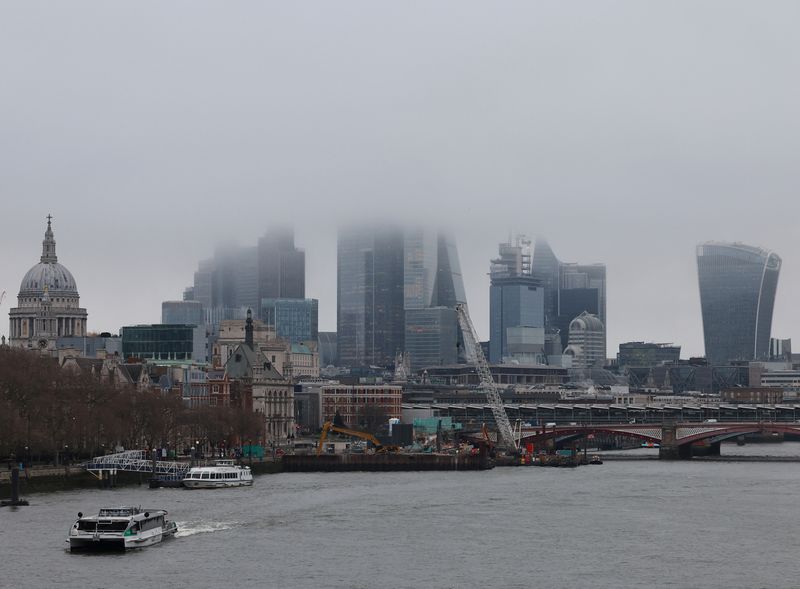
x=112, y=526
x=205, y=475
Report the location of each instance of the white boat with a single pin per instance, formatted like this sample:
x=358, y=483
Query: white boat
x=120, y=528
x=224, y=473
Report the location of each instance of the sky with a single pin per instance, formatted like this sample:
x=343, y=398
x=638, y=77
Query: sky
x=625, y=132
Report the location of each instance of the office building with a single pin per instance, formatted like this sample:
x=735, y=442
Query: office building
x=545, y=268
x=647, y=354
x=738, y=283
x=582, y=289
x=281, y=266
x=362, y=406
x=516, y=302
x=165, y=342
x=182, y=312
x=570, y=290
x=587, y=342
x=237, y=278
x=370, y=296
x=431, y=337
x=328, y=353
x=293, y=320
x=382, y=273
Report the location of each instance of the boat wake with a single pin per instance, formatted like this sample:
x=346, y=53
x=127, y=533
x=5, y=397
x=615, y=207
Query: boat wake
x=191, y=528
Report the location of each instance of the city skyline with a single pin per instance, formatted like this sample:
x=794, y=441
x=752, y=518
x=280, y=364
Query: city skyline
x=590, y=126
x=327, y=300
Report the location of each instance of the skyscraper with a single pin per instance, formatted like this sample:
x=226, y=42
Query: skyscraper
x=516, y=304
x=584, y=277
x=384, y=272
x=237, y=278
x=281, y=266
x=370, y=295
x=737, y=294
x=545, y=268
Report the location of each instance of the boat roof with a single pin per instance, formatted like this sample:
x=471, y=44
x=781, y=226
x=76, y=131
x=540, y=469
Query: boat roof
x=126, y=512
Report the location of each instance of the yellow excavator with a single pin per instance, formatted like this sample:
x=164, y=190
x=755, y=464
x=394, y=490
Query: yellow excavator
x=329, y=427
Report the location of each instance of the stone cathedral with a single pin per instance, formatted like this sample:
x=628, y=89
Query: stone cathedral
x=48, y=305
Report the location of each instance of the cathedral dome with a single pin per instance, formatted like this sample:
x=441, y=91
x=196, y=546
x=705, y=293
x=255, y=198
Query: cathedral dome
x=51, y=274
x=48, y=272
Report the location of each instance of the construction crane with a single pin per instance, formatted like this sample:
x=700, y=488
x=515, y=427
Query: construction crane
x=329, y=427
x=472, y=347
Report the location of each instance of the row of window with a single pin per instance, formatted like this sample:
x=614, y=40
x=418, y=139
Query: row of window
x=213, y=475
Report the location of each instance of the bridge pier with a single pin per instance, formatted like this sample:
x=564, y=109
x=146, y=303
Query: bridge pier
x=669, y=448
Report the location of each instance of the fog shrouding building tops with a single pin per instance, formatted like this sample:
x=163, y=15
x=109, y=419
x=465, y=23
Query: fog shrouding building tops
x=240, y=277
x=382, y=271
x=738, y=283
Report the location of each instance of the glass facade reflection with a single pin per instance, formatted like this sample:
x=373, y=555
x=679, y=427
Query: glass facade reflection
x=159, y=342
x=515, y=301
x=737, y=293
x=384, y=272
x=294, y=320
x=370, y=296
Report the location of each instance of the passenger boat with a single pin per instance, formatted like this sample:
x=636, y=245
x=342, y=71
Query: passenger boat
x=224, y=473
x=120, y=528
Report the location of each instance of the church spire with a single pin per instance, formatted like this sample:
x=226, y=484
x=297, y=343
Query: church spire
x=248, y=330
x=49, y=244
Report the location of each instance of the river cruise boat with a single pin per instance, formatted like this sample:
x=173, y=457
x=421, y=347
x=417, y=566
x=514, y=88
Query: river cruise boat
x=120, y=528
x=224, y=473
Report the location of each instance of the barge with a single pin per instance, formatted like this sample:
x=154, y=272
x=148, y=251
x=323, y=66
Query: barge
x=385, y=462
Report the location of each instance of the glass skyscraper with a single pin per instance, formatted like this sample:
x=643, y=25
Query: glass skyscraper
x=383, y=272
x=737, y=294
x=370, y=296
x=514, y=302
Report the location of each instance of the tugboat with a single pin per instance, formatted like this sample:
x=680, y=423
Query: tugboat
x=120, y=528
x=224, y=473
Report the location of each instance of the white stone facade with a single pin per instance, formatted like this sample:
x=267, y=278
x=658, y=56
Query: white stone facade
x=48, y=304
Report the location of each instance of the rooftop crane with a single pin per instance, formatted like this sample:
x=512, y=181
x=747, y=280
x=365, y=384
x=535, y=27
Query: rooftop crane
x=472, y=347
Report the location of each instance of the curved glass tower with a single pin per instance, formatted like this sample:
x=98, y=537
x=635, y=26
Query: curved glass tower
x=737, y=295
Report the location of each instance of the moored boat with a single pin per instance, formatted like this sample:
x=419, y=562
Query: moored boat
x=120, y=528
x=224, y=473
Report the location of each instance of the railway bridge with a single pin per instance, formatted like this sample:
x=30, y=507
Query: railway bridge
x=675, y=439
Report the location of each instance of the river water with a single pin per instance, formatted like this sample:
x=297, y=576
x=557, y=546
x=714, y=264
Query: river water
x=623, y=524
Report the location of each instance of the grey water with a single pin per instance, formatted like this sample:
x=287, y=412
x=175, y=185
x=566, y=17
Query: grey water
x=622, y=524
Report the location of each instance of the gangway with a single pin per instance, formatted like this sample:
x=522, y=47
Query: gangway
x=135, y=461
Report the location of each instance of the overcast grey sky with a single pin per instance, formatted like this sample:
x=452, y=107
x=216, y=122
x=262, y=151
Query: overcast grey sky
x=625, y=132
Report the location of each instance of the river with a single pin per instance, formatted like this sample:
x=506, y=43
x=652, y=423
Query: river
x=623, y=524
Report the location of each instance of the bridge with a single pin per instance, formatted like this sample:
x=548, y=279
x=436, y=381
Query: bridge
x=134, y=461
x=675, y=439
